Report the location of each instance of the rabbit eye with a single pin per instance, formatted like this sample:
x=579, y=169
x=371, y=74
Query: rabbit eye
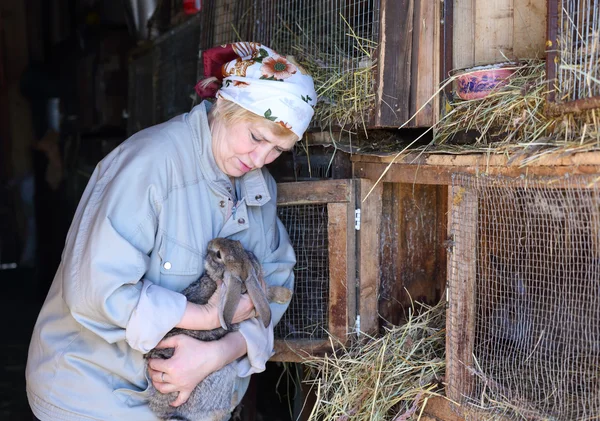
x=218, y=254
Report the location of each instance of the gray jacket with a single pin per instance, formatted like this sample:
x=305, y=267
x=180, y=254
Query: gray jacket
x=138, y=237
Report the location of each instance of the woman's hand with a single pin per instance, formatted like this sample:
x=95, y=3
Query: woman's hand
x=192, y=362
x=206, y=317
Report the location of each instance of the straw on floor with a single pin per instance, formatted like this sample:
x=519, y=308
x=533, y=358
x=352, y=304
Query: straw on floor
x=385, y=378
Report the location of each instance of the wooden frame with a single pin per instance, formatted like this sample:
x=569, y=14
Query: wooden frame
x=553, y=106
x=345, y=246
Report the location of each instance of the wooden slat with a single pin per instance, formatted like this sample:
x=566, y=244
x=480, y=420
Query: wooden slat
x=369, y=255
x=463, y=49
x=419, y=174
x=298, y=350
x=340, y=278
x=494, y=22
x=392, y=104
x=530, y=28
x=311, y=192
x=460, y=322
x=425, y=66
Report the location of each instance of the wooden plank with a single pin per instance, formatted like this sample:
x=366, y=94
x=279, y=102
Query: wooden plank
x=493, y=31
x=298, y=350
x=412, y=248
x=339, y=275
x=425, y=66
x=313, y=192
x=484, y=160
x=394, y=61
x=463, y=51
x=530, y=28
x=440, y=408
x=460, y=321
x=369, y=255
x=419, y=174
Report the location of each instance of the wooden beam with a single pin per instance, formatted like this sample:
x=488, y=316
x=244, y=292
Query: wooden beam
x=340, y=278
x=369, y=255
x=298, y=350
x=420, y=174
x=460, y=321
x=310, y=192
x=392, y=103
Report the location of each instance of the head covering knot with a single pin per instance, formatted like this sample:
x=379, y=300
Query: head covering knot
x=261, y=81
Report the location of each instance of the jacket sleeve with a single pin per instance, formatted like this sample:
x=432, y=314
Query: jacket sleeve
x=106, y=254
x=277, y=267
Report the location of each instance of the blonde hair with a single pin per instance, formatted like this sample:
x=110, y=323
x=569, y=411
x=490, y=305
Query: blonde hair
x=231, y=113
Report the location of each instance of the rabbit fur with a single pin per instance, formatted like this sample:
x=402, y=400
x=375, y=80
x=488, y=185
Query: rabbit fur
x=240, y=271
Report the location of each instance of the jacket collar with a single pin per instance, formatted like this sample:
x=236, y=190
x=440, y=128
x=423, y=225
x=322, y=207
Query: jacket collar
x=253, y=184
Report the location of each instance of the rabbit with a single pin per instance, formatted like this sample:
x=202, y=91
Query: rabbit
x=241, y=272
x=512, y=317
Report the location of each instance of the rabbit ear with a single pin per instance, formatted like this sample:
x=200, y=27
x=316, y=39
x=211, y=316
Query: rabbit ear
x=257, y=294
x=230, y=297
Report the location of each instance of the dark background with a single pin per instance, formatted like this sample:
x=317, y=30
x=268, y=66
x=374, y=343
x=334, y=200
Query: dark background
x=64, y=85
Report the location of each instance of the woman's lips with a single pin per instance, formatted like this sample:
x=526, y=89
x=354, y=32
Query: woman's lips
x=245, y=168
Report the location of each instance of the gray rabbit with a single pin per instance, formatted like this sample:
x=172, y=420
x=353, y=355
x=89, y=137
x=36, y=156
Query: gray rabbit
x=512, y=317
x=241, y=272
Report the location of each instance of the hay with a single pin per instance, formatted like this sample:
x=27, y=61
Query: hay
x=342, y=65
x=388, y=378
x=512, y=120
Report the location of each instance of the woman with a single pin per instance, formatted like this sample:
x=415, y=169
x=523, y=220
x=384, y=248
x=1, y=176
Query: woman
x=139, y=236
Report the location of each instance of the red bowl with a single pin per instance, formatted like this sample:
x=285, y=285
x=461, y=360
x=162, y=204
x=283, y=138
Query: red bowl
x=478, y=82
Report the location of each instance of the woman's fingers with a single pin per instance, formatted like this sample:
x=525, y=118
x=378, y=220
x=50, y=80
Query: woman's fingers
x=181, y=398
x=245, y=309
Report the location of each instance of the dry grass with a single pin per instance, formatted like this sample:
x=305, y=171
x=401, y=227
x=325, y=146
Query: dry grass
x=342, y=65
x=512, y=120
x=387, y=378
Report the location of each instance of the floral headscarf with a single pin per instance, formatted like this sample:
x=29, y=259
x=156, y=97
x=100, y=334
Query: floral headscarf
x=261, y=81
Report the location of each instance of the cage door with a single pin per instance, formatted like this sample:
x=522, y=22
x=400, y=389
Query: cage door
x=330, y=286
x=573, y=59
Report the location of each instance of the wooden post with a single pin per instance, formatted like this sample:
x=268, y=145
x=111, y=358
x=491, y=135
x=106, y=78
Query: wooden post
x=460, y=324
x=369, y=254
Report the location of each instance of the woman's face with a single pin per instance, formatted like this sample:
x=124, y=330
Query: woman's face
x=244, y=146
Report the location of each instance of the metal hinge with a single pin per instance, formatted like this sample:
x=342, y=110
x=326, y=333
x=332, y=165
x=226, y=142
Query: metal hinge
x=357, y=219
x=357, y=325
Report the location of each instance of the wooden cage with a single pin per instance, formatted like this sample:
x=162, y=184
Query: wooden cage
x=329, y=222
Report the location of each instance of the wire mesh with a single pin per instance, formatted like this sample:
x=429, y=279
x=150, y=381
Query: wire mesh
x=578, y=64
x=176, y=70
x=307, y=315
x=537, y=295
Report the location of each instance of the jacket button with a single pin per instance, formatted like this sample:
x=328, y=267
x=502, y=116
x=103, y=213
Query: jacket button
x=167, y=265
x=258, y=197
x=222, y=203
x=241, y=221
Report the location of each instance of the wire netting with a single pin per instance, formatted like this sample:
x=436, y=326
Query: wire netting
x=176, y=70
x=307, y=315
x=537, y=294
x=578, y=64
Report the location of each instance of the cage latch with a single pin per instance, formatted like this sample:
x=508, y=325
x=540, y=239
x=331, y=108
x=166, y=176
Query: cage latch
x=357, y=219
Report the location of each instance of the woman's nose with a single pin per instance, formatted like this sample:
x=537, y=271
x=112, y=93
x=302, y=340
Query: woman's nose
x=259, y=155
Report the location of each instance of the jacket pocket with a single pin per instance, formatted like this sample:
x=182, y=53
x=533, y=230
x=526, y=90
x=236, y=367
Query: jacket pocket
x=133, y=396
x=177, y=258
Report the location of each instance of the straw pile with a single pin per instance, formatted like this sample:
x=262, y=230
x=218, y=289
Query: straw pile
x=512, y=120
x=342, y=65
x=388, y=378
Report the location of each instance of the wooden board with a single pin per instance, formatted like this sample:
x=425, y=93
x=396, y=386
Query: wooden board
x=460, y=322
x=412, y=239
x=438, y=168
x=310, y=192
x=494, y=31
x=369, y=257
